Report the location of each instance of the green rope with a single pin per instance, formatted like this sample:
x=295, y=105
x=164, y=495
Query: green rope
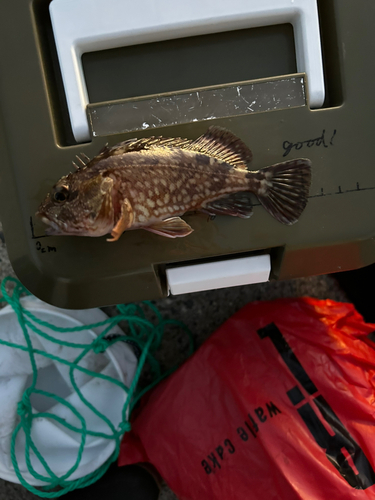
x=144, y=333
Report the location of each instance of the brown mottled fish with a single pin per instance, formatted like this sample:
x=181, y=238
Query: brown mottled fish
x=149, y=183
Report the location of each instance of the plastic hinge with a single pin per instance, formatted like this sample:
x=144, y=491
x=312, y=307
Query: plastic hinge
x=221, y=274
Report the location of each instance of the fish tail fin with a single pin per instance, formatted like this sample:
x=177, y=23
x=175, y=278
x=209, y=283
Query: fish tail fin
x=283, y=188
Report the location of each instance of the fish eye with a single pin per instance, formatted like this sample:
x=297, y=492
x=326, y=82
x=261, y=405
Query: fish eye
x=61, y=194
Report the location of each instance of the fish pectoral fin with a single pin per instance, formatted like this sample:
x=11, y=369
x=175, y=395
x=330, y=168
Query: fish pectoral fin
x=237, y=205
x=174, y=227
x=125, y=221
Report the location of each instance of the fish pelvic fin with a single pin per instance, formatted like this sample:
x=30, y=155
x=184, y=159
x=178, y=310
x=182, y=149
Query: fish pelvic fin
x=174, y=227
x=221, y=144
x=283, y=188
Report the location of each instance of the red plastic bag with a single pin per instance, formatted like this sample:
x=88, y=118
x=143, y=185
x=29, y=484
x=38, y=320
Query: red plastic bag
x=278, y=404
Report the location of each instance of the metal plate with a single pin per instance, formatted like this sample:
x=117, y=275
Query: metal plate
x=131, y=115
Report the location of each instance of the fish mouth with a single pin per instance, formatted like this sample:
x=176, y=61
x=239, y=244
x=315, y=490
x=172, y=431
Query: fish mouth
x=53, y=229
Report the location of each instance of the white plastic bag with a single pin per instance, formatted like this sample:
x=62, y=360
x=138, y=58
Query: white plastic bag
x=57, y=444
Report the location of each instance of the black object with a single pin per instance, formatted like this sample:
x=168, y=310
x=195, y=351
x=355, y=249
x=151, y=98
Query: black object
x=359, y=287
x=126, y=483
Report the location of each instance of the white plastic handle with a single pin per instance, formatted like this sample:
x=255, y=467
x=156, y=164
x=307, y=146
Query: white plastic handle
x=222, y=274
x=90, y=25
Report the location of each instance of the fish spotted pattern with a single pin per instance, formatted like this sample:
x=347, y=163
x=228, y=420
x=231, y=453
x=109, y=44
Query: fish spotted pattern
x=149, y=183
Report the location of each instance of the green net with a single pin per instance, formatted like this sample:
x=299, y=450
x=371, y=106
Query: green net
x=146, y=334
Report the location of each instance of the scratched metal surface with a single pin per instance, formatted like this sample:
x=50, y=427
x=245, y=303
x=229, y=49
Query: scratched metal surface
x=203, y=313
x=130, y=115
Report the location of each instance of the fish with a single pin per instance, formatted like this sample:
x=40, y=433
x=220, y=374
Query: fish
x=150, y=183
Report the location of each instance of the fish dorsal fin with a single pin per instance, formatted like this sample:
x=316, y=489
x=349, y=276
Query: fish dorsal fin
x=107, y=151
x=222, y=145
x=148, y=143
x=143, y=144
x=217, y=142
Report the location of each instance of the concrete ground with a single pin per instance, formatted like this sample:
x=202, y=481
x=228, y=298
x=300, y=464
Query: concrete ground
x=203, y=313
